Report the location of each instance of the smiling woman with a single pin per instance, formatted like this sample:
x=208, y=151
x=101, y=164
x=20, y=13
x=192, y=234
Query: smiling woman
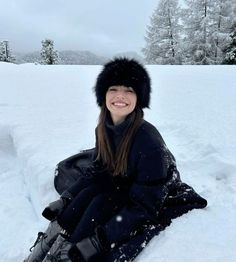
x=129, y=192
x=120, y=101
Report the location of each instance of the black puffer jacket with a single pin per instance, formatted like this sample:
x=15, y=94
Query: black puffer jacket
x=150, y=166
x=155, y=193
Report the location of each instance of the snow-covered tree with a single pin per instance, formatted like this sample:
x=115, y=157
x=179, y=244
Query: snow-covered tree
x=48, y=55
x=162, y=39
x=5, y=52
x=223, y=17
x=207, y=26
x=198, y=24
x=230, y=51
x=2, y=51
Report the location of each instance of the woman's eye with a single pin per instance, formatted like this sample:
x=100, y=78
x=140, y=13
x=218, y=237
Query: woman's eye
x=112, y=89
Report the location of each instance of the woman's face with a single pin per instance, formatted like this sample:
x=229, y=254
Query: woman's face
x=120, y=101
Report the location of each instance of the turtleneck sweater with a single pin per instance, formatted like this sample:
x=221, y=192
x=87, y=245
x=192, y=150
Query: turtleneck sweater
x=117, y=132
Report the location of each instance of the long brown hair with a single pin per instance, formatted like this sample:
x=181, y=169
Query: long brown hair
x=116, y=162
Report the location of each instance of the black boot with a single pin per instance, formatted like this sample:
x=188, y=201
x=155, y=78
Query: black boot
x=44, y=242
x=59, y=250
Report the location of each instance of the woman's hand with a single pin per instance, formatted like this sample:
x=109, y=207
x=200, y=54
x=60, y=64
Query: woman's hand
x=55, y=208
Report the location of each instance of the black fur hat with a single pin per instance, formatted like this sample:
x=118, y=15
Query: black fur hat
x=127, y=72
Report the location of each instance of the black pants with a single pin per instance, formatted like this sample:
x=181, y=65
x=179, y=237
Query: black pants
x=91, y=207
x=94, y=206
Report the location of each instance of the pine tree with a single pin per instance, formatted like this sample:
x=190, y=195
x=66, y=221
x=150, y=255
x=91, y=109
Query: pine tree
x=5, y=52
x=48, y=55
x=2, y=52
x=207, y=29
x=230, y=52
x=198, y=27
x=223, y=16
x=162, y=40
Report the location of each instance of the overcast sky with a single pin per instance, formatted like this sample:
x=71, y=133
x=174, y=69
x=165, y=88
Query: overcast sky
x=100, y=26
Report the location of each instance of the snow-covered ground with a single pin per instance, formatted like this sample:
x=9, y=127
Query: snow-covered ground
x=48, y=113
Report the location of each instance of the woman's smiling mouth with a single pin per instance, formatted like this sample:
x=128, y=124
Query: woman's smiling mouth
x=119, y=104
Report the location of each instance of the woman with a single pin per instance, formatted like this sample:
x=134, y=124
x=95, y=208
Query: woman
x=126, y=189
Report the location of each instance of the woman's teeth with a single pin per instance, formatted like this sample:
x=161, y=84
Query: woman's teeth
x=119, y=104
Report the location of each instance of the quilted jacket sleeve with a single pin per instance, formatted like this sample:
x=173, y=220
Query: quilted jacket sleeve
x=146, y=197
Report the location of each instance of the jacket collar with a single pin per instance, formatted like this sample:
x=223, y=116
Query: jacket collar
x=120, y=128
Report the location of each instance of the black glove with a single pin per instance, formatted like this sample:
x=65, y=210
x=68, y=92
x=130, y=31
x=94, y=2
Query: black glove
x=56, y=207
x=91, y=248
x=96, y=169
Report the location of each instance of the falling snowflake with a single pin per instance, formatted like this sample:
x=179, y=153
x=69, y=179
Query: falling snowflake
x=118, y=218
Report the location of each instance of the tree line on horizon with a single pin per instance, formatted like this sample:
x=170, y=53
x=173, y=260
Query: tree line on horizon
x=49, y=56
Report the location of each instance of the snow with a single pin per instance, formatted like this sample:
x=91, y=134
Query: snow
x=48, y=113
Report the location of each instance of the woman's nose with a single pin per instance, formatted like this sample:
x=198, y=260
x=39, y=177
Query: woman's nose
x=120, y=95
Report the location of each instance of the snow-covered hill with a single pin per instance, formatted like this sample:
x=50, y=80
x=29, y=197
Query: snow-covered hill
x=48, y=113
x=69, y=57
x=66, y=57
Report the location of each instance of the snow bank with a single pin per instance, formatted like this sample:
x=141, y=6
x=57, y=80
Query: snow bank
x=48, y=113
